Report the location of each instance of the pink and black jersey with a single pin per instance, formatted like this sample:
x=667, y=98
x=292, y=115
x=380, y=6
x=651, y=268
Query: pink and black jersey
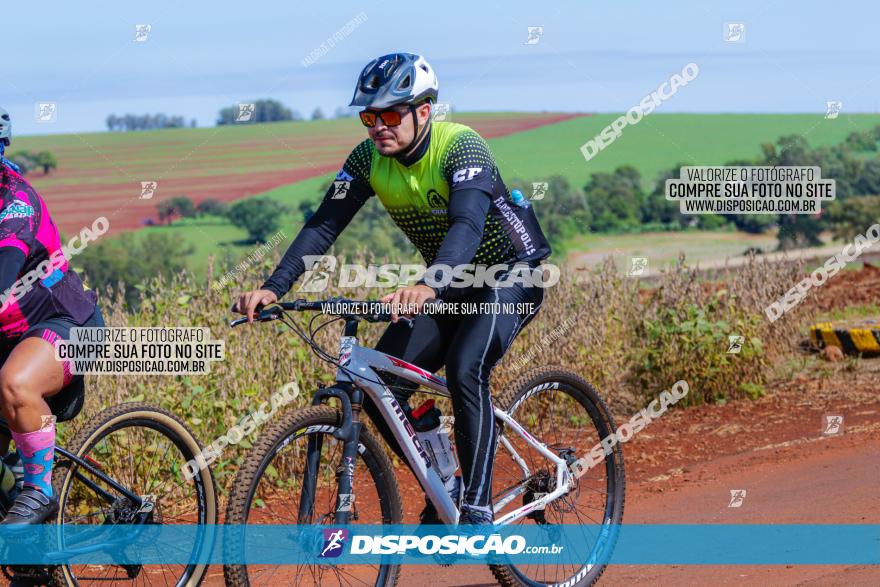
x=57, y=290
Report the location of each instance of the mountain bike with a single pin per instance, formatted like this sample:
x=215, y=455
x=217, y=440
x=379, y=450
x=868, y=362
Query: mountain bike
x=320, y=465
x=126, y=469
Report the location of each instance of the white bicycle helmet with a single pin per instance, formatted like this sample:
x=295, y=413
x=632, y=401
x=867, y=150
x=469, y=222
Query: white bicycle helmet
x=5, y=127
x=396, y=78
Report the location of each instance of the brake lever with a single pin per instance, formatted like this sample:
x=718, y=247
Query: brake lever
x=259, y=318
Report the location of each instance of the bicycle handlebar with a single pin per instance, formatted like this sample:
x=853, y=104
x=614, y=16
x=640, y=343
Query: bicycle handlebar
x=369, y=310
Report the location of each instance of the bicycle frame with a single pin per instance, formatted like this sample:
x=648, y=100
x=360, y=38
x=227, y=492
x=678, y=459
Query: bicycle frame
x=357, y=372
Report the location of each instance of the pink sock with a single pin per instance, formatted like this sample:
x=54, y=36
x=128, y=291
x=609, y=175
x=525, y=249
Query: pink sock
x=37, y=450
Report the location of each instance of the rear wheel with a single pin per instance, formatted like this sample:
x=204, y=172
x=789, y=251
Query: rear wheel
x=144, y=449
x=268, y=490
x=563, y=411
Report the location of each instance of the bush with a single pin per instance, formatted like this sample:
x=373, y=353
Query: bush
x=853, y=216
x=212, y=207
x=131, y=260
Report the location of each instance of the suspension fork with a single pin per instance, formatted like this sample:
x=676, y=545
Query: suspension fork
x=348, y=432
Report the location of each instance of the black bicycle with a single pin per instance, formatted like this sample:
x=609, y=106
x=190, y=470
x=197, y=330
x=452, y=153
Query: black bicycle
x=320, y=465
x=127, y=469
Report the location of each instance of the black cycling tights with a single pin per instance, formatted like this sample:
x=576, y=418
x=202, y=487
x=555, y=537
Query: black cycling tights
x=469, y=345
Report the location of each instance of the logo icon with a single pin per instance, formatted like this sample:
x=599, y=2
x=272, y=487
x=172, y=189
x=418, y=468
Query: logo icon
x=317, y=278
x=440, y=111
x=465, y=174
x=539, y=190
x=735, y=343
x=832, y=109
x=334, y=540
x=737, y=497
x=343, y=176
x=534, y=35
x=346, y=500
x=17, y=209
x=833, y=425
x=340, y=189
x=734, y=32
x=148, y=189
x=46, y=111
x=638, y=265
x=142, y=32
x=246, y=112
x=437, y=202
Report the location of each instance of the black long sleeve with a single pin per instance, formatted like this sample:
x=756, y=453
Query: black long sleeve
x=320, y=231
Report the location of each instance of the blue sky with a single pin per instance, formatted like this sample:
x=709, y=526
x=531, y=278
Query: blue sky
x=592, y=56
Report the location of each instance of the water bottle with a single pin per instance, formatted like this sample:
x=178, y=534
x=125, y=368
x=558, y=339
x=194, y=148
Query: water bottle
x=426, y=423
x=519, y=199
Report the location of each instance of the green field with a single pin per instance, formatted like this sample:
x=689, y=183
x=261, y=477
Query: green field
x=661, y=141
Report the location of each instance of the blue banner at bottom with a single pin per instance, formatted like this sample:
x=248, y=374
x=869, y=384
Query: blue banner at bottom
x=550, y=544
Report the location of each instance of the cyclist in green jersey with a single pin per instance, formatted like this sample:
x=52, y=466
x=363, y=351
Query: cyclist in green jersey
x=440, y=185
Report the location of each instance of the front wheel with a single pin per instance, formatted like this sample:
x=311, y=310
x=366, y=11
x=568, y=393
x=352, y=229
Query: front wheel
x=144, y=449
x=269, y=490
x=563, y=411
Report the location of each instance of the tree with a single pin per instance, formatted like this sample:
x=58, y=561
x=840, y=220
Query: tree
x=26, y=161
x=131, y=122
x=853, y=216
x=318, y=114
x=343, y=112
x=131, y=259
x=258, y=216
x=264, y=111
x=47, y=161
x=615, y=199
x=211, y=207
x=177, y=206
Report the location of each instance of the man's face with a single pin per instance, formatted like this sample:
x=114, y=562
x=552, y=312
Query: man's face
x=391, y=140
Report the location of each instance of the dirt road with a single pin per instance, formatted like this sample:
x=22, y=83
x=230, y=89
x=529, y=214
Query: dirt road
x=682, y=468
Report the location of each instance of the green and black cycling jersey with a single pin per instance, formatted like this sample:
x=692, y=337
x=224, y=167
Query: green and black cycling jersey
x=447, y=197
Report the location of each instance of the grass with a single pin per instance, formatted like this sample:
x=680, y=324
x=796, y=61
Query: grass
x=663, y=248
x=855, y=312
x=661, y=141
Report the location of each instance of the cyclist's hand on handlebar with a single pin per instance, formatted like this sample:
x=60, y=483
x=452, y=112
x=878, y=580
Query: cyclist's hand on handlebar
x=248, y=302
x=414, y=295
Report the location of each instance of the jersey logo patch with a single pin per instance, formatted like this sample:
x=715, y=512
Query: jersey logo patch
x=343, y=176
x=17, y=209
x=465, y=174
x=437, y=202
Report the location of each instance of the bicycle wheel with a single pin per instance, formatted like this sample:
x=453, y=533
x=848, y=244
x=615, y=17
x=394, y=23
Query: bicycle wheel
x=143, y=448
x=565, y=413
x=267, y=490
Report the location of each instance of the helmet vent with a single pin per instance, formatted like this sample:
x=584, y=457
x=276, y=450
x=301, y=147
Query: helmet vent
x=406, y=82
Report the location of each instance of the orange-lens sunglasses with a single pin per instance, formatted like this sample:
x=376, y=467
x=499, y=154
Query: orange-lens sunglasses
x=388, y=117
